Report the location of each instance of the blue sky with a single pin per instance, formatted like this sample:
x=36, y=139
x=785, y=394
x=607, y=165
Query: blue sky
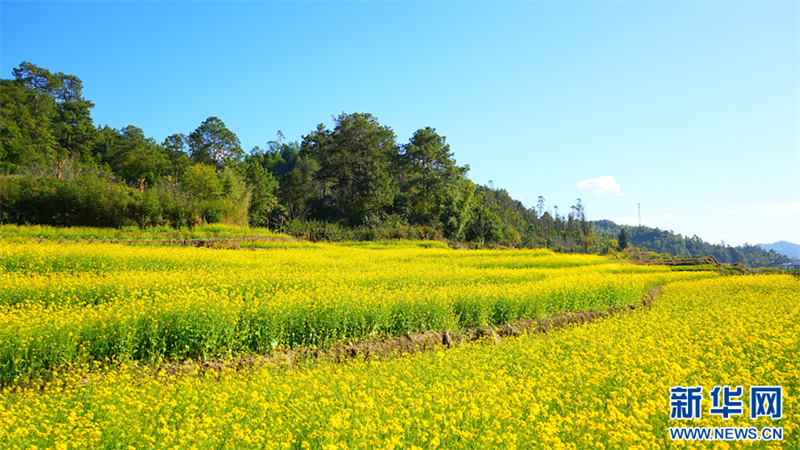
x=690, y=108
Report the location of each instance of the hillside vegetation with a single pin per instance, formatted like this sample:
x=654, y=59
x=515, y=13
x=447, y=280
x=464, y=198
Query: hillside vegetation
x=662, y=241
x=354, y=181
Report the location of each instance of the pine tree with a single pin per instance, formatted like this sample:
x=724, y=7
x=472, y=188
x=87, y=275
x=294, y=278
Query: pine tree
x=622, y=239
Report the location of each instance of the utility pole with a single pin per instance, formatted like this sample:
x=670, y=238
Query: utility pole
x=640, y=214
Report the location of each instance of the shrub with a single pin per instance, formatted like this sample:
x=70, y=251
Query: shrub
x=85, y=201
x=95, y=202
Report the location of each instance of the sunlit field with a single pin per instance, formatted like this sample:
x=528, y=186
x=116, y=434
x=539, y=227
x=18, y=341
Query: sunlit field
x=90, y=334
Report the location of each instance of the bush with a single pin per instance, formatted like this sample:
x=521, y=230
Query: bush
x=166, y=206
x=95, y=202
x=212, y=211
x=89, y=201
x=201, y=182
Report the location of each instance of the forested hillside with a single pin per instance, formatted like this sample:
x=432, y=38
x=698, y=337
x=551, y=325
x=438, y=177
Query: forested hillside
x=789, y=249
x=354, y=181
x=662, y=241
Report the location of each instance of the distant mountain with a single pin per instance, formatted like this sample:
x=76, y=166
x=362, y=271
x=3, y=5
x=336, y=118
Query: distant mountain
x=789, y=249
x=663, y=241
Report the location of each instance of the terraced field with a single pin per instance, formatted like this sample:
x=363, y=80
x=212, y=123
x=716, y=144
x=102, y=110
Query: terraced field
x=91, y=334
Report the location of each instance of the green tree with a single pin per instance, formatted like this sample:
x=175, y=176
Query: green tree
x=622, y=239
x=294, y=173
x=354, y=173
x=26, y=135
x=455, y=208
x=175, y=147
x=136, y=158
x=427, y=168
x=281, y=157
x=72, y=125
x=511, y=236
x=235, y=197
x=586, y=243
x=214, y=144
x=546, y=227
x=74, y=129
x=263, y=188
x=579, y=213
x=201, y=182
x=297, y=190
x=38, y=78
x=484, y=226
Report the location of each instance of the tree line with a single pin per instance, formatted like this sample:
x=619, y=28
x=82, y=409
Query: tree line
x=351, y=181
x=662, y=241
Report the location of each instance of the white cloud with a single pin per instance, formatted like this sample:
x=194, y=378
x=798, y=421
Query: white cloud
x=602, y=185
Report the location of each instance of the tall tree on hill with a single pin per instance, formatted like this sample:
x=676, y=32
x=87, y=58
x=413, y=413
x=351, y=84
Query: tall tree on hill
x=26, y=134
x=541, y=206
x=74, y=128
x=455, y=209
x=294, y=171
x=175, y=148
x=71, y=124
x=622, y=239
x=262, y=189
x=281, y=157
x=484, y=226
x=426, y=169
x=214, y=144
x=139, y=158
x=579, y=212
x=354, y=173
x=297, y=190
x=130, y=155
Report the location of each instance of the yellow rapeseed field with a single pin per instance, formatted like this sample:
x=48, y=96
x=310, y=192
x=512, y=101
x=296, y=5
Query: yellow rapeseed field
x=66, y=304
x=88, y=317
